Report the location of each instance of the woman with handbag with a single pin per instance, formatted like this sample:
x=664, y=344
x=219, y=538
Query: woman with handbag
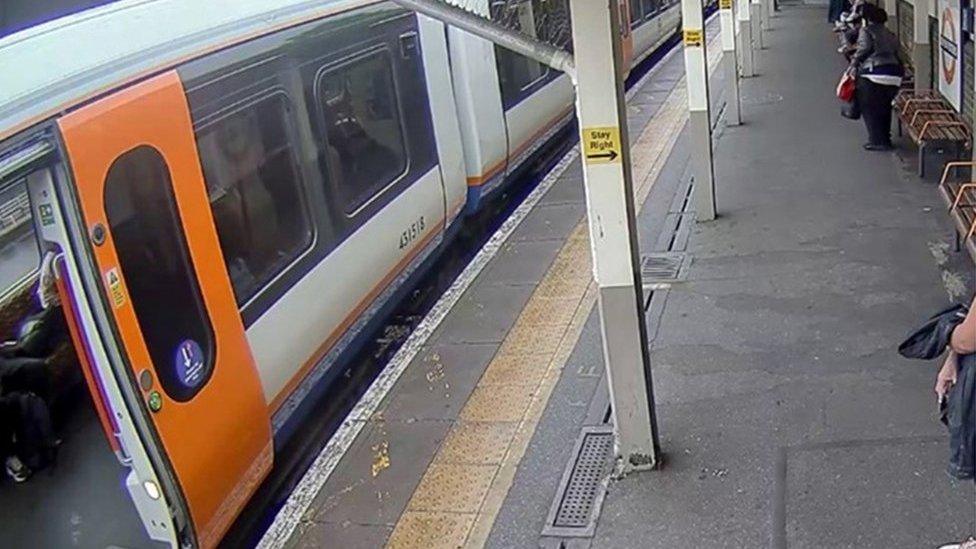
x=878, y=71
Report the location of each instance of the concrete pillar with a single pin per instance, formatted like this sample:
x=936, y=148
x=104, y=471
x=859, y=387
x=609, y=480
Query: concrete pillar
x=922, y=49
x=699, y=119
x=607, y=182
x=746, y=53
x=730, y=61
x=755, y=15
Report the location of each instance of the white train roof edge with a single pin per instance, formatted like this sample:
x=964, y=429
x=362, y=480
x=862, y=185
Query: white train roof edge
x=52, y=67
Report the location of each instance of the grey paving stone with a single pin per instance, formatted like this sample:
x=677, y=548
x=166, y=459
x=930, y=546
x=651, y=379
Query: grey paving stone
x=438, y=382
x=485, y=314
x=550, y=222
x=568, y=190
x=346, y=535
x=832, y=495
x=370, y=489
x=522, y=262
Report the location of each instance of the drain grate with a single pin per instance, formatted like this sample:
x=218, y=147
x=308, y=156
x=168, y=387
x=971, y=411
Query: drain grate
x=661, y=268
x=585, y=481
x=576, y=507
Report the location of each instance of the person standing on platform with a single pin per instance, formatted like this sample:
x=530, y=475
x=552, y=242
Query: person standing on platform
x=955, y=387
x=878, y=71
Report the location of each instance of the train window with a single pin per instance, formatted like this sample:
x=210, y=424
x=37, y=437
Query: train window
x=18, y=245
x=157, y=271
x=650, y=7
x=636, y=17
x=366, y=151
x=547, y=20
x=250, y=167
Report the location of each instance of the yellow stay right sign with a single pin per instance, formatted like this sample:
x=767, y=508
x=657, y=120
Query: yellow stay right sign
x=601, y=145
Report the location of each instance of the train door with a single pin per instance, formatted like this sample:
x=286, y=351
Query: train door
x=144, y=204
x=536, y=98
x=625, y=11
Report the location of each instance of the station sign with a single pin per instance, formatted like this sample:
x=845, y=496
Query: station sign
x=950, y=52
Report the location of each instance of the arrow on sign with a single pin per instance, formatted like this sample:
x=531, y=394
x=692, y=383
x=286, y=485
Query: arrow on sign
x=610, y=156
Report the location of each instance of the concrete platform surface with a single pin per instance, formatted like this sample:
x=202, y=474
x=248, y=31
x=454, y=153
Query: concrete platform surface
x=787, y=418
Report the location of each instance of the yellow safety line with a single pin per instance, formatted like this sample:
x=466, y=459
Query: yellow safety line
x=457, y=500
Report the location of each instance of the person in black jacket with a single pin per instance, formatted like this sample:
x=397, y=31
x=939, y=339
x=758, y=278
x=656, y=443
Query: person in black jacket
x=956, y=387
x=879, y=71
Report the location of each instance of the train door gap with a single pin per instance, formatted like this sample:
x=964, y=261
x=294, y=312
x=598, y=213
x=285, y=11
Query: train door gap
x=62, y=484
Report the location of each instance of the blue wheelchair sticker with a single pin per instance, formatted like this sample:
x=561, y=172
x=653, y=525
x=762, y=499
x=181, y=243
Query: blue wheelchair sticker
x=189, y=363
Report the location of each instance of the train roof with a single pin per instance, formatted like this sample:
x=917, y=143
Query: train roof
x=52, y=67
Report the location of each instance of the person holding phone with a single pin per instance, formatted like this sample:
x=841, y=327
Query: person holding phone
x=955, y=387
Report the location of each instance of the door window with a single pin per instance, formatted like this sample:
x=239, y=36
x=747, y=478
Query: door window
x=547, y=20
x=157, y=270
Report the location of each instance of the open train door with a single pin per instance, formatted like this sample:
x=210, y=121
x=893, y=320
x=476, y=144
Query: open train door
x=150, y=229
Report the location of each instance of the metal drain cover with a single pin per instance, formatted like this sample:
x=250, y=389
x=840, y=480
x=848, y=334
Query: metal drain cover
x=576, y=507
x=660, y=269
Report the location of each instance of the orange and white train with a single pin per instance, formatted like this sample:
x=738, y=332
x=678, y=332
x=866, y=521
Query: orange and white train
x=232, y=190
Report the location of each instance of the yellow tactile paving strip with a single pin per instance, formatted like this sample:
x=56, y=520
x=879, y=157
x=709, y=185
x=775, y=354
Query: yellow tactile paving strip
x=458, y=498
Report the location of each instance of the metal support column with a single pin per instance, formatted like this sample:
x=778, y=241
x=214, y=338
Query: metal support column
x=699, y=118
x=755, y=15
x=730, y=61
x=922, y=49
x=891, y=7
x=746, y=54
x=601, y=112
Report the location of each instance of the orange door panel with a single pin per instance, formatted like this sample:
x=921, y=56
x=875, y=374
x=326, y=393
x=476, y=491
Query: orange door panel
x=147, y=212
x=626, y=38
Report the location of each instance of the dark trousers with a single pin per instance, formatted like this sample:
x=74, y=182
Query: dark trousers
x=875, y=102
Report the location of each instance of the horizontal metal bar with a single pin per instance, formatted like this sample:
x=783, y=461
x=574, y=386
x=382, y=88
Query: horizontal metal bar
x=482, y=27
x=23, y=157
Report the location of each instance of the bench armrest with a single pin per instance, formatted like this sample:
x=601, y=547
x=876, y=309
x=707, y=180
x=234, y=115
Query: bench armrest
x=962, y=190
x=953, y=165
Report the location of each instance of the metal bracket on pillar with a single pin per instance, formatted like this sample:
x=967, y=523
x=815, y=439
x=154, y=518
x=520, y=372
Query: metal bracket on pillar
x=699, y=117
x=602, y=116
x=730, y=61
x=746, y=53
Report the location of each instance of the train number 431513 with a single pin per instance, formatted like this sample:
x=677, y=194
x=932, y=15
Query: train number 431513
x=412, y=232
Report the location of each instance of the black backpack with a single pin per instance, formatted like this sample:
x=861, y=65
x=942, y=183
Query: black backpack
x=36, y=444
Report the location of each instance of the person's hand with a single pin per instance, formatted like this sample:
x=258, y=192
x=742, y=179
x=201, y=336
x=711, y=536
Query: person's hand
x=947, y=375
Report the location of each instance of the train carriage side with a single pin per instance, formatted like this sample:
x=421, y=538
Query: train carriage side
x=224, y=229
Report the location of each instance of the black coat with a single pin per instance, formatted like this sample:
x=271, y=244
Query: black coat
x=961, y=420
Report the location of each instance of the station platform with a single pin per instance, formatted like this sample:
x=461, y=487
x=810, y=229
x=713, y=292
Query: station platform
x=787, y=419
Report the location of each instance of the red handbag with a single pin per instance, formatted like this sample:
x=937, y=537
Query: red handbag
x=845, y=88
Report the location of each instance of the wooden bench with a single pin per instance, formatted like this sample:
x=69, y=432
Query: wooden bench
x=960, y=197
x=929, y=120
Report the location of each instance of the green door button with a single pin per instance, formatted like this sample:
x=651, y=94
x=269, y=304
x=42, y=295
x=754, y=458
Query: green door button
x=155, y=401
